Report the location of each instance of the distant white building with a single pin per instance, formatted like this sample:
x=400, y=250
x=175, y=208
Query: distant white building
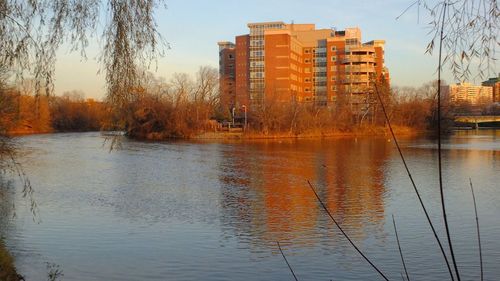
x=461, y=93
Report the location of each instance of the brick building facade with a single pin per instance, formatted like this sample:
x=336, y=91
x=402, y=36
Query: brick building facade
x=280, y=62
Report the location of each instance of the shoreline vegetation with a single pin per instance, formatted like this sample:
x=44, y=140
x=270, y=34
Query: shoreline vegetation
x=192, y=107
x=257, y=135
x=378, y=131
x=8, y=270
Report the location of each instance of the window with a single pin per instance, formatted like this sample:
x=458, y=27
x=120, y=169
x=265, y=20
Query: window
x=256, y=43
x=257, y=75
x=257, y=64
x=307, y=61
x=307, y=51
x=351, y=41
x=307, y=90
x=334, y=58
x=334, y=48
x=230, y=56
x=256, y=53
x=333, y=78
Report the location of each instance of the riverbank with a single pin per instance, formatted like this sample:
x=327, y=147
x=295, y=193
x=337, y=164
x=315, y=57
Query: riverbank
x=312, y=134
x=17, y=133
x=256, y=135
x=7, y=269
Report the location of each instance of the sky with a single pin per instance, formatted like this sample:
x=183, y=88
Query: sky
x=193, y=27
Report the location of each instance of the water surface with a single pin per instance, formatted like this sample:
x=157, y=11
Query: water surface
x=214, y=211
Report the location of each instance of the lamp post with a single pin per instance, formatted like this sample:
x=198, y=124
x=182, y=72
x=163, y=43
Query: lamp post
x=245, y=109
x=233, y=114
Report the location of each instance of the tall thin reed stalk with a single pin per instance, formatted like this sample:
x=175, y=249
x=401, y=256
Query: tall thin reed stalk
x=410, y=176
x=287, y=263
x=345, y=234
x=399, y=248
x=477, y=228
x=440, y=165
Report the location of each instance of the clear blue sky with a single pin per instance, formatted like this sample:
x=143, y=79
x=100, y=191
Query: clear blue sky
x=193, y=29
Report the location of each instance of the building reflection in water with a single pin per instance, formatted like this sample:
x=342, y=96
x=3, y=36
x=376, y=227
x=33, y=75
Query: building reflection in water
x=265, y=196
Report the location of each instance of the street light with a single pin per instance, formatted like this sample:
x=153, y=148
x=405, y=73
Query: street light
x=245, y=126
x=233, y=114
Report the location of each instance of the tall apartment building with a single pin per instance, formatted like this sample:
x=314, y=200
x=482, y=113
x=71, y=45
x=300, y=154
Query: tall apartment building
x=495, y=84
x=471, y=94
x=227, y=82
x=281, y=62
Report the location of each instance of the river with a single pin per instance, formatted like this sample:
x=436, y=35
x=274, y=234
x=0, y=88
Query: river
x=214, y=211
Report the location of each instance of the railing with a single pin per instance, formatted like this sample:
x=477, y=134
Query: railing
x=357, y=79
x=359, y=68
x=357, y=89
x=358, y=58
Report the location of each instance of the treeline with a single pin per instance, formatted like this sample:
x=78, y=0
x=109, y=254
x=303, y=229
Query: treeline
x=408, y=108
x=186, y=106
x=183, y=107
x=73, y=113
x=179, y=108
x=415, y=107
x=25, y=113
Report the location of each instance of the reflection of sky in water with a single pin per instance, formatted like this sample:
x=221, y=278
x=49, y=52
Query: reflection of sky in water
x=185, y=211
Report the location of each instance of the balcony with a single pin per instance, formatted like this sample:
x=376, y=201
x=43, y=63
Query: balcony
x=358, y=58
x=356, y=79
x=363, y=49
x=357, y=89
x=360, y=68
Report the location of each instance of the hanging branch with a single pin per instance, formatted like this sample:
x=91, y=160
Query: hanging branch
x=440, y=165
x=287, y=263
x=413, y=182
x=471, y=31
x=477, y=227
x=9, y=163
x=408, y=8
x=471, y=28
x=399, y=247
x=31, y=33
x=344, y=233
